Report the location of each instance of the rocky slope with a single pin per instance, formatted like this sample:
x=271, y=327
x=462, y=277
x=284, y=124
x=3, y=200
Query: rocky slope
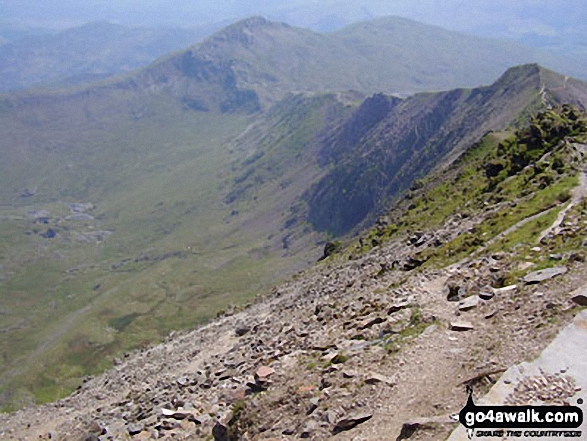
x=420, y=133
x=387, y=331
x=367, y=156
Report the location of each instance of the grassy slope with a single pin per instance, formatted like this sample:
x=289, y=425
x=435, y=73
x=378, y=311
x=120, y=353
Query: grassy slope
x=153, y=184
x=177, y=253
x=536, y=178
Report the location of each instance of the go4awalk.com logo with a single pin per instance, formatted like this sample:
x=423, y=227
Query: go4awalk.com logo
x=521, y=421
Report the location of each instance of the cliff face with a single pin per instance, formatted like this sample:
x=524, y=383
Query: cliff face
x=416, y=135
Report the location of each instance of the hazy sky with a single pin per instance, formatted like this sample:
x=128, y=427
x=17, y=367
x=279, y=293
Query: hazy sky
x=507, y=18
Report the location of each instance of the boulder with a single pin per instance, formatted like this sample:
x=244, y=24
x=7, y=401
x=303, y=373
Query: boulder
x=545, y=274
x=469, y=303
x=461, y=326
x=374, y=378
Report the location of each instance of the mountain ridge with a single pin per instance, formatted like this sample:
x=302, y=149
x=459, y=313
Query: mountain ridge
x=260, y=61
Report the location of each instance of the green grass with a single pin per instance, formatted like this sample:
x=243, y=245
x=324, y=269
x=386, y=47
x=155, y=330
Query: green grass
x=468, y=188
x=174, y=259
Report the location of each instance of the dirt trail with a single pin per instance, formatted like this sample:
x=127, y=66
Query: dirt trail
x=577, y=195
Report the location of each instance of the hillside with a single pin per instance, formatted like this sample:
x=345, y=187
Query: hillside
x=491, y=245
x=86, y=53
x=416, y=136
x=126, y=216
x=375, y=154
x=148, y=203
x=391, y=55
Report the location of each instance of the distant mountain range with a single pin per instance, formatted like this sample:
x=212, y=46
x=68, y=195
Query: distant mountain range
x=391, y=55
x=87, y=53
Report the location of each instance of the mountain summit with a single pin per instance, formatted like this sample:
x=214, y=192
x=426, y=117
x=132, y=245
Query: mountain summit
x=254, y=63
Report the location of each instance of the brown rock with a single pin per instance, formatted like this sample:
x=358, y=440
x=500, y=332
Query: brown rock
x=264, y=372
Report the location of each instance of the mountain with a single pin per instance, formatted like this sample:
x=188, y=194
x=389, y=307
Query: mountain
x=375, y=154
x=488, y=247
x=87, y=53
x=149, y=203
x=391, y=55
x=255, y=62
x=417, y=134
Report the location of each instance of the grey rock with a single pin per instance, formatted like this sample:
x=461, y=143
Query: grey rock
x=135, y=428
x=469, y=303
x=545, y=274
x=182, y=381
x=461, y=326
x=310, y=427
x=374, y=378
x=397, y=307
x=486, y=295
x=241, y=330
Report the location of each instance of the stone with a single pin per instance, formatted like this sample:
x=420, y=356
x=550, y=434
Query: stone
x=505, y=289
x=412, y=263
x=580, y=299
x=220, y=432
x=411, y=427
x=486, y=295
x=351, y=421
x=182, y=381
x=398, y=307
x=264, y=372
x=179, y=414
x=374, y=378
x=241, y=330
x=348, y=373
x=469, y=303
x=461, y=326
x=578, y=256
x=135, y=428
x=96, y=429
x=334, y=358
x=455, y=292
x=490, y=314
x=310, y=427
x=545, y=274
x=370, y=322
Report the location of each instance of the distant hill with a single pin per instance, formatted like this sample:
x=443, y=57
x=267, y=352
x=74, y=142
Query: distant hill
x=87, y=53
x=255, y=62
x=392, y=55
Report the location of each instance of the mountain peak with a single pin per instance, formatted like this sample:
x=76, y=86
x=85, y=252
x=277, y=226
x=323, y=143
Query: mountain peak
x=253, y=22
x=525, y=75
